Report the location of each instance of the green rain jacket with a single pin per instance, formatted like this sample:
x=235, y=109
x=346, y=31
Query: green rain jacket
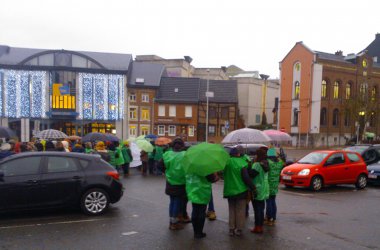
x=119, y=159
x=174, y=171
x=198, y=189
x=159, y=153
x=112, y=157
x=233, y=182
x=261, y=182
x=274, y=175
x=126, y=152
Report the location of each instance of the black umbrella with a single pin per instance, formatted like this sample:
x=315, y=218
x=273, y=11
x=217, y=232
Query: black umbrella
x=93, y=137
x=6, y=132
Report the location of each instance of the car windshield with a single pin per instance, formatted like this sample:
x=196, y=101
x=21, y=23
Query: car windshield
x=313, y=158
x=359, y=149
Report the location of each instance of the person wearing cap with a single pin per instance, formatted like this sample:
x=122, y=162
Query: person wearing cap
x=237, y=184
x=275, y=167
x=5, y=150
x=259, y=174
x=127, y=154
x=175, y=182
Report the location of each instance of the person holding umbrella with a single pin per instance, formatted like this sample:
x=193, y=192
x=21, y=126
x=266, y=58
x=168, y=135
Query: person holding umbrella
x=237, y=184
x=175, y=182
x=259, y=173
x=127, y=155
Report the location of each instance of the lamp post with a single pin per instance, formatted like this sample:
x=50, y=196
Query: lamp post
x=207, y=95
x=264, y=97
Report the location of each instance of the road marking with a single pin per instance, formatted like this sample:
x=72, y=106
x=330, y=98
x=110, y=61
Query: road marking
x=50, y=223
x=129, y=233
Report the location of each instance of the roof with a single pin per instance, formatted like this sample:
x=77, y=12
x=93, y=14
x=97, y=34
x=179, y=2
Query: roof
x=331, y=57
x=225, y=91
x=373, y=49
x=178, y=89
x=110, y=61
x=144, y=74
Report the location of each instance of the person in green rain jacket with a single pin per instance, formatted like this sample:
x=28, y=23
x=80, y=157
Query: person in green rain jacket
x=198, y=189
x=237, y=184
x=158, y=154
x=175, y=182
x=259, y=173
x=119, y=158
x=275, y=167
x=127, y=155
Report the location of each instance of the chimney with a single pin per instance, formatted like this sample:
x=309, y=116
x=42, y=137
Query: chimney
x=224, y=69
x=188, y=59
x=377, y=36
x=339, y=53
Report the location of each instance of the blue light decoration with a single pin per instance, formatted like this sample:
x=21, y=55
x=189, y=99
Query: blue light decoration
x=1, y=93
x=100, y=96
x=24, y=93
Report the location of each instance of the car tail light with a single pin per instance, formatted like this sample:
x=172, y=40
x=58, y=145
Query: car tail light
x=113, y=174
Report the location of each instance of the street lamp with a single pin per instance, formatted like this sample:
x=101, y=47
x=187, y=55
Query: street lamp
x=207, y=95
x=263, y=97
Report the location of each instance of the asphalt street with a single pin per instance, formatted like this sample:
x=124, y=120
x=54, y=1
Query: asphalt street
x=338, y=217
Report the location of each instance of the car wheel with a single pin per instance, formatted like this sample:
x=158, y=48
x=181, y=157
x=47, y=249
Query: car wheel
x=288, y=186
x=361, y=182
x=316, y=183
x=95, y=201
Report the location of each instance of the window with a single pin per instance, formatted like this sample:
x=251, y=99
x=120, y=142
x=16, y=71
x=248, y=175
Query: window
x=212, y=112
x=133, y=113
x=348, y=90
x=347, y=118
x=161, y=110
x=335, y=121
x=336, y=90
x=223, y=130
x=324, y=89
x=144, y=98
x=224, y=113
x=258, y=118
x=373, y=94
x=172, y=131
x=335, y=159
x=188, y=111
x=172, y=110
x=353, y=157
x=297, y=90
x=145, y=114
x=132, y=131
x=363, y=90
x=161, y=130
x=144, y=130
x=295, y=117
x=56, y=164
x=191, y=130
x=372, y=119
x=132, y=97
x=22, y=166
x=323, y=117
x=211, y=130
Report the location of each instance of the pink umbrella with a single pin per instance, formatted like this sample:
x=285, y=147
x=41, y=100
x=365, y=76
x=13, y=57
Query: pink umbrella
x=277, y=135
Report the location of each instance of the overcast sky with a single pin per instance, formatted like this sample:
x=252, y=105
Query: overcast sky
x=253, y=35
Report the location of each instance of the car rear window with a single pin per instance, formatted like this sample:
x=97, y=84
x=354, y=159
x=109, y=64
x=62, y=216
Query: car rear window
x=21, y=166
x=353, y=157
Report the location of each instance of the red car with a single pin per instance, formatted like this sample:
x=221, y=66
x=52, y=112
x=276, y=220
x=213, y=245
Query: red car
x=328, y=167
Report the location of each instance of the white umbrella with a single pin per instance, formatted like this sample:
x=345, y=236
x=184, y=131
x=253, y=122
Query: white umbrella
x=51, y=134
x=246, y=135
x=277, y=135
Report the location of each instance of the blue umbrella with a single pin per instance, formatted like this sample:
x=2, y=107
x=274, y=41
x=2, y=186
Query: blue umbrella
x=151, y=136
x=94, y=136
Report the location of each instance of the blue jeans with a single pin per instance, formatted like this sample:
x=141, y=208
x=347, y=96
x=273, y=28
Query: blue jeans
x=271, y=210
x=211, y=204
x=174, y=208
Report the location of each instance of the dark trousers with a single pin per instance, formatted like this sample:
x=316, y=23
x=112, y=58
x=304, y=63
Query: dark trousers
x=271, y=207
x=151, y=166
x=126, y=168
x=198, y=217
x=144, y=167
x=175, y=208
x=258, y=208
x=184, y=202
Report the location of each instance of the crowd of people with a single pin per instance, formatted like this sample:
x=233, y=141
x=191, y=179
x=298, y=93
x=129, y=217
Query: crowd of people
x=117, y=154
x=245, y=181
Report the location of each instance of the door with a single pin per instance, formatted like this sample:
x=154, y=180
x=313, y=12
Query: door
x=61, y=180
x=19, y=187
x=335, y=169
x=355, y=166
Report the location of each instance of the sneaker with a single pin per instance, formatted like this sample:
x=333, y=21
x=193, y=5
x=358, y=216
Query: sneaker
x=257, y=230
x=211, y=215
x=270, y=222
x=175, y=226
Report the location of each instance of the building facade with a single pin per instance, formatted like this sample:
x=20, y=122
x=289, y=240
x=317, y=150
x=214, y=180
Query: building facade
x=327, y=99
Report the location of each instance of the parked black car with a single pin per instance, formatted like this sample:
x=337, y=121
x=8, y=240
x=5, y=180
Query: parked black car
x=369, y=152
x=374, y=173
x=56, y=179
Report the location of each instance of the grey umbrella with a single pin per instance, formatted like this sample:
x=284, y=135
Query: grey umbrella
x=246, y=135
x=6, y=132
x=51, y=134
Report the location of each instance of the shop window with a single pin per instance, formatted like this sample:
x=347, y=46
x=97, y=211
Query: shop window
x=191, y=130
x=144, y=98
x=145, y=114
x=161, y=130
x=172, y=130
x=161, y=110
x=133, y=113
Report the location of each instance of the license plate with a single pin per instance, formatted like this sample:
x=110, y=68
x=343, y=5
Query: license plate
x=372, y=176
x=286, y=177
